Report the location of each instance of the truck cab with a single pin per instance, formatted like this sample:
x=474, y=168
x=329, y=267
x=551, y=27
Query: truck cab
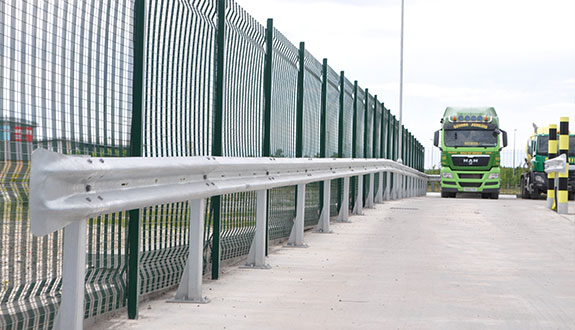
x=534, y=181
x=470, y=141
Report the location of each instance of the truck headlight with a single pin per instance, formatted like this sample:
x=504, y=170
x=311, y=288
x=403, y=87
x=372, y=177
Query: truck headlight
x=539, y=179
x=493, y=176
x=447, y=175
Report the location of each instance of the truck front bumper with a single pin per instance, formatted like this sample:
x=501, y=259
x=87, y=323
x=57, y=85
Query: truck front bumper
x=470, y=181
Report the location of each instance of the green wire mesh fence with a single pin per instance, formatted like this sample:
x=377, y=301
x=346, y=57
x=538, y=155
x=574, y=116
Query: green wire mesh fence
x=67, y=85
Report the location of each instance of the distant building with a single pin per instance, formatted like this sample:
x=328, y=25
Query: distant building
x=16, y=139
x=16, y=130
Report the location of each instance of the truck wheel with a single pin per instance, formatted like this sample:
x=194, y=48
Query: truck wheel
x=571, y=196
x=485, y=195
x=495, y=195
x=444, y=194
x=536, y=194
x=524, y=189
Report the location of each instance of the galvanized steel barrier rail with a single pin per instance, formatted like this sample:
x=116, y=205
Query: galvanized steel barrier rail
x=66, y=191
x=149, y=78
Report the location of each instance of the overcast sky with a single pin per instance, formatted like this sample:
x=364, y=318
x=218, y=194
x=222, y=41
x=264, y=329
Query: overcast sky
x=515, y=55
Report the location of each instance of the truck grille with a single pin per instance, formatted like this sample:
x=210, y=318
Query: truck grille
x=464, y=160
x=470, y=184
x=470, y=176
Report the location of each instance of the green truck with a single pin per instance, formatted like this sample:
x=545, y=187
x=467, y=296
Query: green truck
x=470, y=141
x=534, y=181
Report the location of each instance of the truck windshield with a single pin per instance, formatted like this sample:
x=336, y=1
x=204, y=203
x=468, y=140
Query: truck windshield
x=470, y=138
x=543, y=145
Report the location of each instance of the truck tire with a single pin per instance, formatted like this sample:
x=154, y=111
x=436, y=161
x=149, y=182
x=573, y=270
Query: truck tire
x=524, y=189
x=485, y=195
x=445, y=194
x=495, y=195
x=571, y=196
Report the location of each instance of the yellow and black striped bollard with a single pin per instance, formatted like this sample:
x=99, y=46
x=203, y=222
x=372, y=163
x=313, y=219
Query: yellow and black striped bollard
x=562, y=193
x=552, y=152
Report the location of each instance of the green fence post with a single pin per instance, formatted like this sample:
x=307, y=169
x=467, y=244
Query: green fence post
x=300, y=91
x=375, y=188
x=415, y=156
x=419, y=156
x=323, y=122
x=383, y=133
x=354, y=128
x=389, y=146
x=365, y=145
x=133, y=270
x=299, y=121
x=410, y=148
x=422, y=160
x=340, y=133
x=403, y=144
x=215, y=201
x=353, y=180
x=395, y=153
x=395, y=137
x=323, y=131
x=268, y=67
x=266, y=151
x=374, y=150
x=382, y=145
x=365, y=132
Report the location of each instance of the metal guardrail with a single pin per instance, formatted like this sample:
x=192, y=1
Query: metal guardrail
x=434, y=177
x=65, y=191
x=556, y=165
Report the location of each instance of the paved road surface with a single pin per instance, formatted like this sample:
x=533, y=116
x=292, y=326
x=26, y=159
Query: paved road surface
x=420, y=263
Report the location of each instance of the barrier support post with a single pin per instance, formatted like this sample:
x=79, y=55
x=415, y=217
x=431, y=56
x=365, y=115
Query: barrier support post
x=386, y=195
x=358, y=206
x=323, y=224
x=379, y=196
x=71, y=311
x=552, y=147
x=370, y=191
x=562, y=193
x=296, y=236
x=190, y=288
x=343, y=215
x=257, y=254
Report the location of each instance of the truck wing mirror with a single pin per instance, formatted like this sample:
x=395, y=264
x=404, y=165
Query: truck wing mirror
x=436, y=139
x=504, y=138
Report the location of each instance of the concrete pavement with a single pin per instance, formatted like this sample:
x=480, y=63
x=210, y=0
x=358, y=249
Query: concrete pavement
x=419, y=263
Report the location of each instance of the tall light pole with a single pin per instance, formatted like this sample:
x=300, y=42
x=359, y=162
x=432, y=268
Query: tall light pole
x=401, y=88
x=514, y=134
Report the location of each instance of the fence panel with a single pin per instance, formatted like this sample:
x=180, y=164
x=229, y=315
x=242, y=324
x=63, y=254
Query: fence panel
x=311, y=132
x=242, y=120
x=177, y=121
x=283, y=122
x=65, y=86
x=332, y=109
